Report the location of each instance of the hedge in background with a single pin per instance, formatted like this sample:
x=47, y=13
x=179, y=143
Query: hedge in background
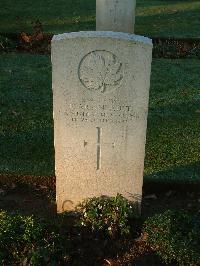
x=175, y=236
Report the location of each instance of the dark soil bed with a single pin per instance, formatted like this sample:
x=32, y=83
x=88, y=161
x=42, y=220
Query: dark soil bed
x=40, y=43
x=31, y=196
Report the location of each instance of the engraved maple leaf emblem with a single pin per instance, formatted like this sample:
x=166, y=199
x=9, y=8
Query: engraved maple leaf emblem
x=100, y=70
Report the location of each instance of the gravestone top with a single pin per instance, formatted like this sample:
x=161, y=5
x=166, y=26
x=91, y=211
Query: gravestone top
x=104, y=34
x=100, y=91
x=115, y=15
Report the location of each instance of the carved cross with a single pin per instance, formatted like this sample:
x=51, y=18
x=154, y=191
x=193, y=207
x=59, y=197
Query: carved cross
x=99, y=145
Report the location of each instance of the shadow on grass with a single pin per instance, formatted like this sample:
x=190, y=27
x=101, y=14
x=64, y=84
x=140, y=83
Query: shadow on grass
x=183, y=178
x=180, y=111
x=28, y=152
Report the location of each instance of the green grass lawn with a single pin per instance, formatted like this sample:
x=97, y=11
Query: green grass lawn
x=166, y=18
x=173, y=138
x=26, y=125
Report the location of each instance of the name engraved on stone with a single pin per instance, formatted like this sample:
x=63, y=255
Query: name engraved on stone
x=103, y=113
x=99, y=144
x=101, y=71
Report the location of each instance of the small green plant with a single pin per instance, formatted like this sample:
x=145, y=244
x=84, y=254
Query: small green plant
x=195, y=52
x=111, y=215
x=166, y=50
x=175, y=236
x=7, y=45
x=26, y=241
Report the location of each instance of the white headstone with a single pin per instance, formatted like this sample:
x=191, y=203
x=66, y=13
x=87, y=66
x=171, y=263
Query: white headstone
x=101, y=90
x=115, y=15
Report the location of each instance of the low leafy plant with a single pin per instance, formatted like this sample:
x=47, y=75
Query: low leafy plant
x=111, y=215
x=6, y=45
x=165, y=50
x=195, y=52
x=175, y=236
x=25, y=241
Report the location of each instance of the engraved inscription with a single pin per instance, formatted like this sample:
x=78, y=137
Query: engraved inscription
x=104, y=113
x=101, y=71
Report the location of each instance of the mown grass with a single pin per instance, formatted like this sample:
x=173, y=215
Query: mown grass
x=178, y=18
x=26, y=128
x=168, y=18
x=173, y=137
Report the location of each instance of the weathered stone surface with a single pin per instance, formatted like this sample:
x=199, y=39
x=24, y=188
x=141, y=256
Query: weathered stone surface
x=115, y=15
x=101, y=90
